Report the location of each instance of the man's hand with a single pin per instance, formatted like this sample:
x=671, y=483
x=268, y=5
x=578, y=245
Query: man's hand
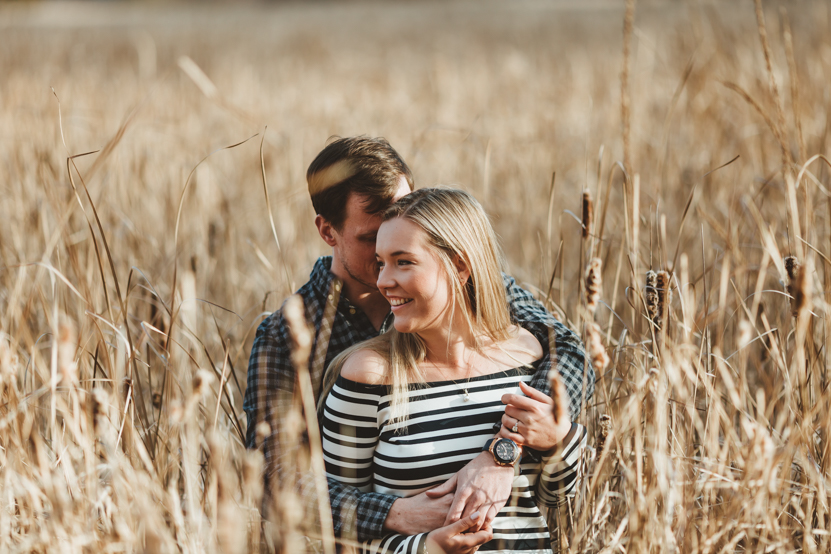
x=541, y=421
x=481, y=485
x=418, y=514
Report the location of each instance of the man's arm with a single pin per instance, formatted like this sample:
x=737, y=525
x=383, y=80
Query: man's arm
x=570, y=357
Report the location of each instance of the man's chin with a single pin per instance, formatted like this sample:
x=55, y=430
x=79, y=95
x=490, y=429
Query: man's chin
x=371, y=285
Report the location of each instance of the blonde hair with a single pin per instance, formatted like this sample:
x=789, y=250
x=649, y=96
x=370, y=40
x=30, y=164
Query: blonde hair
x=455, y=224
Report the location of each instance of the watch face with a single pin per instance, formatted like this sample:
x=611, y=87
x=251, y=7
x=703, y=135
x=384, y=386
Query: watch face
x=505, y=450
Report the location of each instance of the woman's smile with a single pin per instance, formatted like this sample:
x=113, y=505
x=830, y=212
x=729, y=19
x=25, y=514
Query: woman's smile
x=396, y=302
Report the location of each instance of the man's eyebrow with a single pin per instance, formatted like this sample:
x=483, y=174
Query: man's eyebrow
x=369, y=235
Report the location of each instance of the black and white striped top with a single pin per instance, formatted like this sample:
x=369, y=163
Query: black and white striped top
x=444, y=432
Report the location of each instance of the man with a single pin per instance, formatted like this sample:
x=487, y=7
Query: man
x=351, y=182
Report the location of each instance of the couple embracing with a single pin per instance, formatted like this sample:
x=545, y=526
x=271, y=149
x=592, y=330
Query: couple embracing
x=446, y=392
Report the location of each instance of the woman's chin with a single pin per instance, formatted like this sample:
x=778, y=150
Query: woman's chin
x=404, y=326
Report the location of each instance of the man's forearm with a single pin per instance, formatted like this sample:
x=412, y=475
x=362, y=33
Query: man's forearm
x=359, y=515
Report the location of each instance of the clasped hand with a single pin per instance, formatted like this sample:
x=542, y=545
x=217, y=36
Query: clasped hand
x=482, y=487
x=536, y=420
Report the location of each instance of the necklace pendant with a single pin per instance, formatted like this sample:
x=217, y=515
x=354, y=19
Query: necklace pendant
x=467, y=396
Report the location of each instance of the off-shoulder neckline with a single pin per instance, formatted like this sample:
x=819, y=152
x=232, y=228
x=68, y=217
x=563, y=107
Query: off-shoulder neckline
x=506, y=373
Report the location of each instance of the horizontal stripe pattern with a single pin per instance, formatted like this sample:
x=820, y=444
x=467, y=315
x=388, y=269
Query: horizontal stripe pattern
x=444, y=432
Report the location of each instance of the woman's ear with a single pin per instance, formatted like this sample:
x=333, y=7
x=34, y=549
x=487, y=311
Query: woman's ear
x=325, y=230
x=461, y=268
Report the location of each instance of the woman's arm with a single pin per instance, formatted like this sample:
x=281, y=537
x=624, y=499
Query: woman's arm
x=560, y=471
x=350, y=434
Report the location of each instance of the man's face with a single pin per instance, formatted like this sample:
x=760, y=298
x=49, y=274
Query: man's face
x=356, y=239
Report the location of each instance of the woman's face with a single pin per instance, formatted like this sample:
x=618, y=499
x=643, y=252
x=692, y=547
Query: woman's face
x=412, y=278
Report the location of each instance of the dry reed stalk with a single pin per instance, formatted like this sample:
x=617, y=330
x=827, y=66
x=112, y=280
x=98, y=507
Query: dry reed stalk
x=774, y=89
x=302, y=339
x=787, y=36
x=625, y=109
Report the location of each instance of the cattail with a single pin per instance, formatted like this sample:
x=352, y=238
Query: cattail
x=202, y=381
x=794, y=271
x=588, y=213
x=802, y=290
x=98, y=409
x=603, y=434
x=791, y=268
x=651, y=295
x=664, y=296
x=594, y=284
x=595, y=348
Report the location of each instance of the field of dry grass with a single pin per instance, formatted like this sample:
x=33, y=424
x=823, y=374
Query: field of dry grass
x=132, y=278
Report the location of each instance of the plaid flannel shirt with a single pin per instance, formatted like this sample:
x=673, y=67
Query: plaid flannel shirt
x=271, y=383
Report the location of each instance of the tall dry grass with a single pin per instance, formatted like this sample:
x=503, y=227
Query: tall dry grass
x=132, y=278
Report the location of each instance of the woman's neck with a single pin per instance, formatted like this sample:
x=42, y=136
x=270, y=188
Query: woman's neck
x=450, y=350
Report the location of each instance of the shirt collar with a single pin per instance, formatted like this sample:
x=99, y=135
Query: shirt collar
x=321, y=279
x=321, y=275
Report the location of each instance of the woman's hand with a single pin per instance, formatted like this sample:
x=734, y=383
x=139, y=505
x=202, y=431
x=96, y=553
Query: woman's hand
x=541, y=421
x=453, y=538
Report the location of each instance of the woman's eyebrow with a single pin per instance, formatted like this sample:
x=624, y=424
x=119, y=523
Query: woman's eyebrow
x=396, y=254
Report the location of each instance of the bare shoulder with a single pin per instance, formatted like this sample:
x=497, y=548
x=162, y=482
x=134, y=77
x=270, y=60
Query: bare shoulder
x=365, y=366
x=524, y=346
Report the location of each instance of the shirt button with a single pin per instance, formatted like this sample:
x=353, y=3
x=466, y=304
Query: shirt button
x=352, y=311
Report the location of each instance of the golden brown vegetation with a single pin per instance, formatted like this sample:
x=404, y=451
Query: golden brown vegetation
x=132, y=278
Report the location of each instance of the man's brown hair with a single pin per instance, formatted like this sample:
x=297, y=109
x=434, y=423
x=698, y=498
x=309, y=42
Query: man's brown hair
x=360, y=165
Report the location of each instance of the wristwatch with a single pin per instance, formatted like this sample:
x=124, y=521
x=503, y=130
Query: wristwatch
x=505, y=451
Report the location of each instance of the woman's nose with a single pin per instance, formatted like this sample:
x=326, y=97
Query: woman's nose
x=385, y=279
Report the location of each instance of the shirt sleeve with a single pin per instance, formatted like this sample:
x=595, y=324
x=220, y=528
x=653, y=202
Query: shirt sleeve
x=269, y=396
x=560, y=470
x=349, y=436
x=570, y=357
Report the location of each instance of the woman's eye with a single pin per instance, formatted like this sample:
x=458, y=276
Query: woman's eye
x=404, y=262
x=379, y=264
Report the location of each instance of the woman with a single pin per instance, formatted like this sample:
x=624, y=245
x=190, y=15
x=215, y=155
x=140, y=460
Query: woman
x=413, y=406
